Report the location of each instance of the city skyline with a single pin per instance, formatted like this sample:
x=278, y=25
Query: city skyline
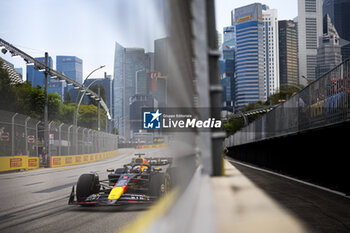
x=223, y=8
x=88, y=29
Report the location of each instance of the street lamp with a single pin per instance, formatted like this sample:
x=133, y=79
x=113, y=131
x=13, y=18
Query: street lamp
x=307, y=80
x=77, y=105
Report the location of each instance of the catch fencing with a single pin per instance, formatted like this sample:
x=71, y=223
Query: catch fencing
x=24, y=136
x=322, y=103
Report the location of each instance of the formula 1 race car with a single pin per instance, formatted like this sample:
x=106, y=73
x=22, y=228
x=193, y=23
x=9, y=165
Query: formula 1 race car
x=141, y=181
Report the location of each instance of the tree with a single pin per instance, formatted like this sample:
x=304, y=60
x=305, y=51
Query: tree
x=253, y=106
x=233, y=125
x=115, y=131
x=94, y=88
x=54, y=102
x=88, y=117
x=7, y=93
x=66, y=112
x=67, y=98
x=283, y=94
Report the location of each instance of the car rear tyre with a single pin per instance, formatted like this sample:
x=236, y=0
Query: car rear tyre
x=157, y=185
x=87, y=185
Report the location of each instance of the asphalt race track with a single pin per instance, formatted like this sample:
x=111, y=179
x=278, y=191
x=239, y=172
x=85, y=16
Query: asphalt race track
x=321, y=211
x=37, y=200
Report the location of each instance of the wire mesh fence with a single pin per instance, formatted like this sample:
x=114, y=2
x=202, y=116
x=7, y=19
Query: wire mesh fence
x=324, y=102
x=22, y=135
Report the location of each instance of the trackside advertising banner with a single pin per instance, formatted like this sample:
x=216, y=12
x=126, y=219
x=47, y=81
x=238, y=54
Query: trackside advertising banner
x=9, y=163
x=59, y=161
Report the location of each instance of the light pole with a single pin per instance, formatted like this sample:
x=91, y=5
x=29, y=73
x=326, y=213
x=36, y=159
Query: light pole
x=76, y=111
x=307, y=80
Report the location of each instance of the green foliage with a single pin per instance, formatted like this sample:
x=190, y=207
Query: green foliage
x=115, y=131
x=252, y=106
x=67, y=98
x=54, y=102
x=235, y=124
x=25, y=99
x=66, y=113
x=7, y=94
x=94, y=88
x=88, y=117
x=283, y=94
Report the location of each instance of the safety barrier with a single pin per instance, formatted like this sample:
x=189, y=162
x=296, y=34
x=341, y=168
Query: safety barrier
x=9, y=163
x=59, y=161
x=152, y=146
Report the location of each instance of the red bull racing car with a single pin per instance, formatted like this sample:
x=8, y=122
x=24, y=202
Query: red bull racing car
x=141, y=181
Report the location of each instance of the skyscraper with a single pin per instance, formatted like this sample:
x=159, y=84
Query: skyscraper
x=249, y=54
x=106, y=82
x=328, y=52
x=159, y=79
x=127, y=62
x=270, y=45
x=35, y=76
x=70, y=66
x=309, y=30
x=288, y=52
x=38, y=78
x=228, y=68
x=338, y=11
x=161, y=51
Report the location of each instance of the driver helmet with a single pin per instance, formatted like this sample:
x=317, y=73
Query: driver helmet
x=136, y=169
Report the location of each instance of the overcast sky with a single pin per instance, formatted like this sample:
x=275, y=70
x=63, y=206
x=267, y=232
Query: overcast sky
x=88, y=29
x=287, y=9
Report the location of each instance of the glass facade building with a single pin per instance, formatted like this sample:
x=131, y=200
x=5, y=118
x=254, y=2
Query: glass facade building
x=35, y=76
x=70, y=66
x=288, y=52
x=309, y=30
x=329, y=50
x=127, y=62
x=270, y=45
x=338, y=11
x=106, y=82
x=249, y=82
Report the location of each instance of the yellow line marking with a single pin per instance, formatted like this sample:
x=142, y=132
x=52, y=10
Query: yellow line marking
x=146, y=220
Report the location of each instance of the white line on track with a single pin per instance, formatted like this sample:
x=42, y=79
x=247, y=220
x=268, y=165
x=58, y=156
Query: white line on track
x=290, y=178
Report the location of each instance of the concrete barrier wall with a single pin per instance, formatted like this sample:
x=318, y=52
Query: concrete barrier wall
x=9, y=163
x=59, y=161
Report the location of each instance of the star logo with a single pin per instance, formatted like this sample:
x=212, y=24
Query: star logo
x=151, y=120
x=156, y=115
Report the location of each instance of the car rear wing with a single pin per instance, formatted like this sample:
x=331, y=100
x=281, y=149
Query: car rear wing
x=160, y=161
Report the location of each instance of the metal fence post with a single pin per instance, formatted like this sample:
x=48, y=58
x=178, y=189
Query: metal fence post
x=60, y=139
x=48, y=144
x=26, y=135
x=76, y=141
x=69, y=139
x=83, y=141
x=13, y=134
x=37, y=138
x=89, y=141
